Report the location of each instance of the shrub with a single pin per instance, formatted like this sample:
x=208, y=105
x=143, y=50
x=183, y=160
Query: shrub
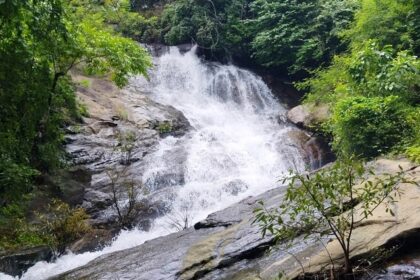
x=165, y=127
x=57, y=226
x=413, y=153
x=15, y=231
x=369, y=127
x=125, y=191
x=63, y=223
x=376, y=71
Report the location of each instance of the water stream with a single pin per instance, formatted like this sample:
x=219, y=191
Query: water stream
x=239, y=146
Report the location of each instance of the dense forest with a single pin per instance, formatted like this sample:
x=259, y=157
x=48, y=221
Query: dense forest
x=357, y=57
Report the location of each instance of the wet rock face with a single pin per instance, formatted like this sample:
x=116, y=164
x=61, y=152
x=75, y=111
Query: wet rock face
x=94, y=240
x=405, y=270
x=14, y=264
x=227, y=245
x=98, y=146
x=316, y=150
x=70, y=184
x=221, y=240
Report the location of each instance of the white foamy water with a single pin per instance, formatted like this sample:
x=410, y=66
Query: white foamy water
x=238, y=146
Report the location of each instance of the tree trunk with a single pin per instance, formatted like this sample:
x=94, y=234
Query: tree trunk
x=348, y=267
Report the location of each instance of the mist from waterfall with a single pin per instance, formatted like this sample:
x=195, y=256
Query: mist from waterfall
x=238, y=146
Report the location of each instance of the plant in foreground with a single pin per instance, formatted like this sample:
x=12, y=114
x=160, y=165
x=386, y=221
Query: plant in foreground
x=332, y=201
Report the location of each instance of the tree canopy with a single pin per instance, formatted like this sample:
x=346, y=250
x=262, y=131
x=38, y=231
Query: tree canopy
x=41, y=42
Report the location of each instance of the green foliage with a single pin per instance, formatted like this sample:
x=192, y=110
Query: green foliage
x=17, y=175
x=85, y=83
x=413, y=153
x=118, y=14
x=140, y=28
x=29, y=31
x=165, y=127
x=41, y=42
x=371, y=71
x=390, y=22
x=104, y=52
x=412, y=149
x=288, y=33
x=327, y=85
x=329, y=203
x=56, y=226
x=298, y=34
x=381, y=72
x=82, y=109
x=218, y=26
x=369, y=127
x=141, y=5
x=15, y=232
x=374, y=93
x=63, y=224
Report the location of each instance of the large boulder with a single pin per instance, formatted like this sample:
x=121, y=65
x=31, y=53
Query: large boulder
x=17, y=262
x=308, y=116
x=92, y=241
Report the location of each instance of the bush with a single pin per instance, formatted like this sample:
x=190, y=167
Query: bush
x=57, y=226
x=63, y=223
x=15, y=179
x=413, y=153
x=412, y=150
x=376, y=71
x=369, y=126
x=15, y=231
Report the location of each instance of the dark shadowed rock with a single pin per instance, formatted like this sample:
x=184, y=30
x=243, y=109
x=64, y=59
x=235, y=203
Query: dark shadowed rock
x=16, y=263
x=92, y=241
x=316, y=151
x=70, y=184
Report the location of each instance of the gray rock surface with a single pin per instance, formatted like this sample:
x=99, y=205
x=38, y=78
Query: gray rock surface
x=95, y=145
x=227, y=245
x=306, y=116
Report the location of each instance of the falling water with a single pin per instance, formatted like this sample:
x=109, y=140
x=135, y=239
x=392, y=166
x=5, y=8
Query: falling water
x=238, y=146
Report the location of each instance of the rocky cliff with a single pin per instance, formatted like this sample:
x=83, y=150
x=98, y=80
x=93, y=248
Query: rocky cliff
x=227, y=245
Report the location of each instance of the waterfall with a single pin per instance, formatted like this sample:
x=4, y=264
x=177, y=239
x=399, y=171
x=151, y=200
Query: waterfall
x=238, y=146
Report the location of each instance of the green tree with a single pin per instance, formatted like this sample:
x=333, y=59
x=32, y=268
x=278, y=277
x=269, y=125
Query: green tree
x=215, y=25
x=298, y=34
x=41, y=42
x=389, y=22
x=376, y=71
x=374, y=94
x=332, y=201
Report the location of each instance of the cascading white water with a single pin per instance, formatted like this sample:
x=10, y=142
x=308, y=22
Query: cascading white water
x=238, y=146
